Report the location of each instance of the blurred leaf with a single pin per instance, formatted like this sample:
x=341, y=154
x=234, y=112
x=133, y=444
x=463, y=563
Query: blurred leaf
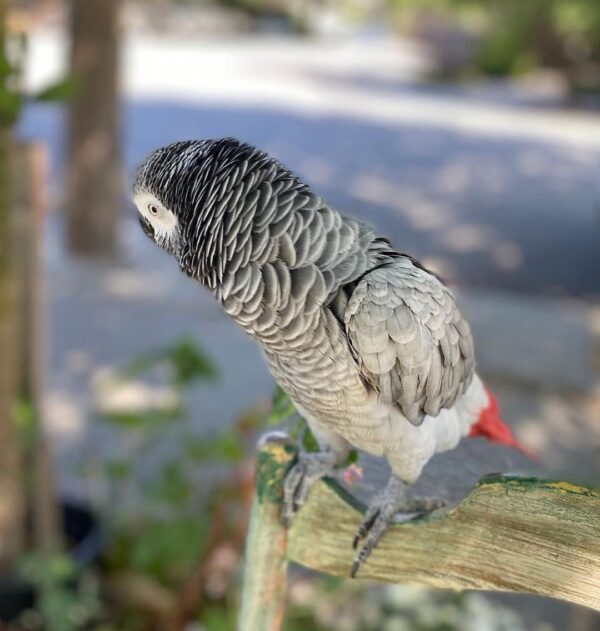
x=309, y=442
x=66, y=599
x=10, y=106
x=190, y=363
x=6, y=69
x=184, y=358
x=352, y=457
x=147, y=419
x=25, y=417
x=250, y=420
x=39, y=568
x=63, y=90
x=281, y=407
x=172, y=486
x=226, y=446
x=219, y=619
x=166, y=549
x=118, y=469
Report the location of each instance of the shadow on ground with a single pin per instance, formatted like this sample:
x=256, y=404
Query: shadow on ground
x=506, y=214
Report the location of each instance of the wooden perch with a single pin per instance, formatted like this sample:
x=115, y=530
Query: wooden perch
x=509, y=534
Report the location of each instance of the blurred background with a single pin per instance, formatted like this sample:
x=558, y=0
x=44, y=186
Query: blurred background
x=467, y=132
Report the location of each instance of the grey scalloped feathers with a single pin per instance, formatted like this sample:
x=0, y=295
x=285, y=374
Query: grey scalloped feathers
x=370, y=347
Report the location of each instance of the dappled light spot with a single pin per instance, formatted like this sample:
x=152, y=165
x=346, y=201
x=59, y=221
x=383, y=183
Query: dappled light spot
x=454, y=178
x=468, y=238
x=443, y=267
x=78, y=362
x=495, y=178
x=65, y=415
x=421, y=213
x=507, y=256
x=427, y=215
x=130, y=284
x=531, y=432
x=591, y=414
x=114, y=394
x=594, y=318
x=532, y=163
x=317, y=170
x=371, y=188
x=560, y=420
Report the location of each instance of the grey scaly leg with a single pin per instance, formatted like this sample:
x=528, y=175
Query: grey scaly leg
x=310, y=468
x=380, y=515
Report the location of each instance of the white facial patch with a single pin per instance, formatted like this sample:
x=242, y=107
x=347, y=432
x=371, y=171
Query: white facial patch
x=162, y=220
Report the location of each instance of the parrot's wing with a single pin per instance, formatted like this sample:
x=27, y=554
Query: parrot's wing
x=411, y=342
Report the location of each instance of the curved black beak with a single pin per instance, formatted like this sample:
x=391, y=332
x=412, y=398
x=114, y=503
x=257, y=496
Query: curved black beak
x=146, y=227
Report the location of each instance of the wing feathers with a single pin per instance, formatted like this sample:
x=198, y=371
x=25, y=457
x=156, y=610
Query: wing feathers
x=412, y=344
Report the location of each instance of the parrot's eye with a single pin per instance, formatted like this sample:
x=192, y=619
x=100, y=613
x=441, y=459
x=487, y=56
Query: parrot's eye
x=153, y=210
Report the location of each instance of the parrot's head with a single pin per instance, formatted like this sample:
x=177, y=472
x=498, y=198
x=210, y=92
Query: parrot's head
x=184, y=194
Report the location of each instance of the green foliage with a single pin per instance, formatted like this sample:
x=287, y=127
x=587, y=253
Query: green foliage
x=144, y=419
x=162, y=538
x=184, y=359
x=165, y=549
x=12, y=96
x=282, y=409
x=225, y=447
x=515, y=36
x=11, y=104
x=62, y=90
x=25, y=418
x=219, y=619
x=509, y=44
x=66, y=601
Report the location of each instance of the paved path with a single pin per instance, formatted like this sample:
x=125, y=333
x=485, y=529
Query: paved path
x=497, y=193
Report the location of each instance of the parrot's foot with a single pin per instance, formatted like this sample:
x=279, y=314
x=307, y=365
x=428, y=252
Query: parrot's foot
x=380, y=515
x=310, y=468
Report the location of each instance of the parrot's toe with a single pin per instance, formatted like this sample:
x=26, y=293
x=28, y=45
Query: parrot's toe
x=370, y=534
x=382, y=512
x=310, y=468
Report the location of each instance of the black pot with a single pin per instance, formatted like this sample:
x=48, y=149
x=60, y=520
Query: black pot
x=85, y=540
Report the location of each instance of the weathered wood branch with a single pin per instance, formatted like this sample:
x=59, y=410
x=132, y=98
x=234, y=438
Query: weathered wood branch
x=509, y=534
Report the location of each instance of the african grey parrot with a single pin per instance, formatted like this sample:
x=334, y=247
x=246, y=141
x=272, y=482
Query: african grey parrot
x=370, y=346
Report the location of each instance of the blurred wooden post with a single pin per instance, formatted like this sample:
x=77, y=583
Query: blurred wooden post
x=25, y=448
x=512, y=534
x=12, y=505
x=30, y=205
x=263, y=597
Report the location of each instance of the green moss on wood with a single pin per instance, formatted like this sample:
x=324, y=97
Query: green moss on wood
x=275, y=458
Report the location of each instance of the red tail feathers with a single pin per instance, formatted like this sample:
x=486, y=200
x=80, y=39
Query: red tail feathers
x=490, y=426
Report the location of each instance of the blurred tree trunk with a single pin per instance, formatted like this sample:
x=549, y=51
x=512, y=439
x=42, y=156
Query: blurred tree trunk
x=94, y=174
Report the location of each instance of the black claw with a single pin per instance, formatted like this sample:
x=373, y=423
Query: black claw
x=363, y=529
x=354, y=569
